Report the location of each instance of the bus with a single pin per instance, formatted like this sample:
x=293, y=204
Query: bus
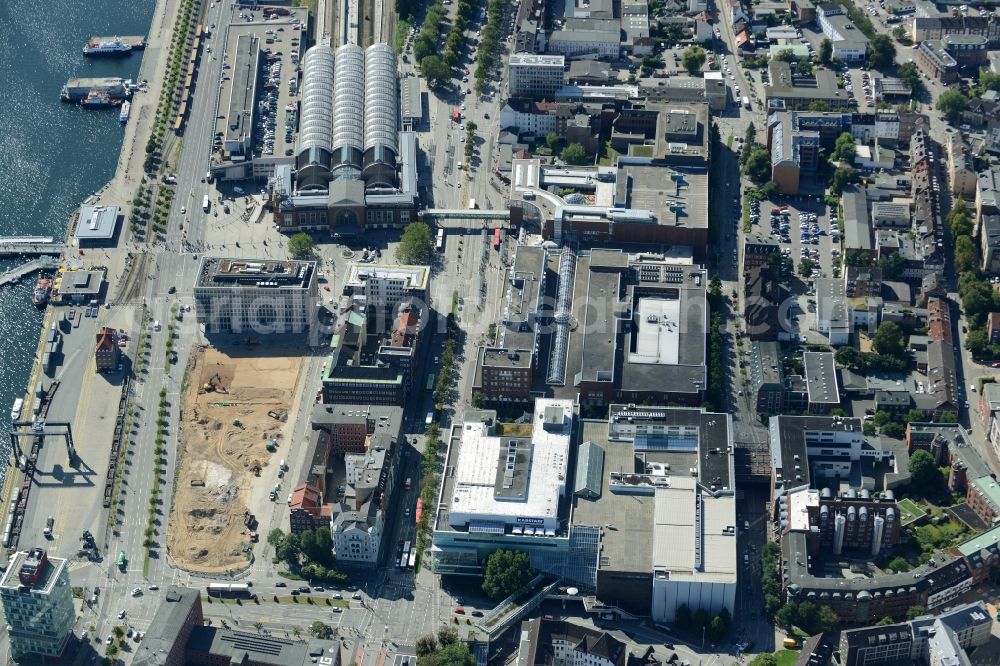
x=122, y=562
x=205, y=205
x=746, y=102
x=496, y=238
x=439, y=244
x=238, y=590
x=403, y=560
x=456, y=115
x=430, y=383
x=413, y=559
x=472, y=204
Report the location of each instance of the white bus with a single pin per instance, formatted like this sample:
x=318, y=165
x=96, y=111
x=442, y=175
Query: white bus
x=205, y=205
x=228, y=590
x=746, y=102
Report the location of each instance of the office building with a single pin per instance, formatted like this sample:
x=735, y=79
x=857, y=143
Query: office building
x=547, y=642
x=255, y=296
x=37, y=605
x=537, y=76
x=384, y=314
x=822, y=388
x=849, y=43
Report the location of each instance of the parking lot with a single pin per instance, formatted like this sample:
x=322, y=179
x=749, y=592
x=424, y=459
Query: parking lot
x=281, y=42
x=805, y=229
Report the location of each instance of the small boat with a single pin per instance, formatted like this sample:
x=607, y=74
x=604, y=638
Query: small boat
x=40, y=296
x=123, y=115
x=99, y=100
x=15, y=411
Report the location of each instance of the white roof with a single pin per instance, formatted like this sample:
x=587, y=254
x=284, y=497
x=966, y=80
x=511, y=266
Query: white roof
x=474, y=496
x=658, y=337
x=687, y=548
x=798, y=509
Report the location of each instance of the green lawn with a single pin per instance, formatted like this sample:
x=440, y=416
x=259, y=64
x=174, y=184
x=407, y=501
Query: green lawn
x=910, y=512
x=786, y=657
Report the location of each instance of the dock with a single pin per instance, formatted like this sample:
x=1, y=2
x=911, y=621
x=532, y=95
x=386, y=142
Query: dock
x=15, y=275
x=137, y=43
x=23, y=246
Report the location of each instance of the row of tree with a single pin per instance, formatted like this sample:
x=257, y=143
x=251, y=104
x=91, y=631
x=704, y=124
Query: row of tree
x=443, y=649
x=715, y=627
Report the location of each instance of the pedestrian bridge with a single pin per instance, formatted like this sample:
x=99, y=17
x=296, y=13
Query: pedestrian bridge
x=465, y=214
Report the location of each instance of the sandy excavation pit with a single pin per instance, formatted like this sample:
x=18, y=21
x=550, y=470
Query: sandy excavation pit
x=225, y=429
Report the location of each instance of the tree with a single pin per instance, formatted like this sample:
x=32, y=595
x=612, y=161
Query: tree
x=826, y=620
x=881, y=51
x=757, y=166
x=435, y=70
x=819, y=105
x=693, y=59
x=914, y=416
x=888, y=339
x=893, y=430
x=909, y=73
x=684, y=616
x=988, y=80
x=923, y=470
x=274, y=537
x=764, y=659
x=301, y=245
x=750, y=137
x=842, y=177
x=321, y=630
x=885, y=621
x=456, y=654
x=552, y=140
x=966, y=256
x=913, y=612
x=504, y=572
x=806, y=267
x=892, y=265
x=787, y=615
x=426, y=645
x=825, y=52
x=446, y=636
x=881, y=418
x=951, y=103
x=785, y=55
x=977, y=342
x=574, y=153
x=845, y=149
x=803, y=68
x=415, y=245
x=716, y=628
x=899, y=565
x=947, y=417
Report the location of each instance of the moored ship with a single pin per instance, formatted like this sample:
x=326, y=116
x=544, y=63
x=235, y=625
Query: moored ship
x=109, y=48
x=40, y=296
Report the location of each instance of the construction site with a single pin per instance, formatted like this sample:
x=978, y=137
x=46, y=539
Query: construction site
x=234, y=421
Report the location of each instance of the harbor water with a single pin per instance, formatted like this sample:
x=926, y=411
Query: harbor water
x=52, y=155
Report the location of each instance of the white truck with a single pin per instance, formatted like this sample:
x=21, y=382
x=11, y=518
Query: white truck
x=746, y=102
x=205, y=204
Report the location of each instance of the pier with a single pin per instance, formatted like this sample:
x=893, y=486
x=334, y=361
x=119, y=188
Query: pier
x=22, y=246
x=15, y=275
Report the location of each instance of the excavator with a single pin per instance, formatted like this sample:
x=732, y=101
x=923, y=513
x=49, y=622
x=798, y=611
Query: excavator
x=214, y=383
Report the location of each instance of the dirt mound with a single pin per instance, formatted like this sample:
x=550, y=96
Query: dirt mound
x=225, y=434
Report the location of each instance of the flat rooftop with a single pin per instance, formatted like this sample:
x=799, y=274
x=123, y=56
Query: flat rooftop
x=243, y=88
x=525, y=481
x=281, y=56
x=96, y=223
x=628, y=545
x=694, y=533
x=414, y=278
x=36, y=564
x=80, y=282
x=821, y=378
x=232, y=273
x=675, y=198
x=533, y=60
